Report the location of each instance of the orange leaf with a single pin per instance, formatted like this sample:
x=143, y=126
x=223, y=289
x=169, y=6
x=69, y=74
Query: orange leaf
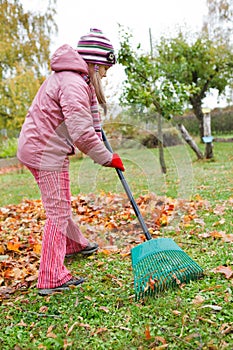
x=106, y=252
x=37, y=248
x=217, y=234
x=147, y=333
x=110, y=225
x=152, y=283
x=1, y=249
x=9, y=273
x=163, y=220
x=13, y=246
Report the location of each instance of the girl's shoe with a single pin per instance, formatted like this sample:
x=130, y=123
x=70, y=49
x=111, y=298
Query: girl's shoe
x=90, y=249
x=75, y=281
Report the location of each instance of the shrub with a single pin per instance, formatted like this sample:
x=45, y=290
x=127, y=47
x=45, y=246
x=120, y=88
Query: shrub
x=8, y=147
x=170, y=138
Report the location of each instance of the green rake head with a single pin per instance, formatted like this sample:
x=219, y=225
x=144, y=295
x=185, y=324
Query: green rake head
x=159, y=264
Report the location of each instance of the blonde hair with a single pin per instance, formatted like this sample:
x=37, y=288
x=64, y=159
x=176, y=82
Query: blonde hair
x=97, y=83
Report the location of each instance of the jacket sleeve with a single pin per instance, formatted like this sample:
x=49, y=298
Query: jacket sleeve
x=74, y=98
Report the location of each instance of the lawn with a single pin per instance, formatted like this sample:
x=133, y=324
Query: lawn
x=103, y=313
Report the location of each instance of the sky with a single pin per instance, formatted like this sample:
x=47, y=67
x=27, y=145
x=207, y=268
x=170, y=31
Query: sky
x=161, y=17
x=75, y=18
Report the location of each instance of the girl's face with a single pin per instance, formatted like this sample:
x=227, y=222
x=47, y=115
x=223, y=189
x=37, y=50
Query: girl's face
x=103, y=70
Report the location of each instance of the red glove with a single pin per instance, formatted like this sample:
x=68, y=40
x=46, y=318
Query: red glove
x=116, y=162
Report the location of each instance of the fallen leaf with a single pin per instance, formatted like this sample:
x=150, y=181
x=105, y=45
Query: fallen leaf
x=220, y=222
x=226, y=328
x=178, y=282
x=22, y=229
x=226, y=270
x=37, y=248
x=155, y=343
x=99, y=330
x=13, y=245
x=213, y=307
x=85, y=325
x=198, y=300
x=67, y=344
x=22, y=323
x=176, y=312
x=104, y=308
x=32, y=278
x=125, y=329
x=206, y=320
x=211, y=288
x=147, y=332
x=41, y=346
x=43, y=309
x=51, y=335
x=217, y=234
x=50, y=328
x=72, y=327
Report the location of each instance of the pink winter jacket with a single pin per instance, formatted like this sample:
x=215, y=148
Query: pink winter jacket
x=60, y=117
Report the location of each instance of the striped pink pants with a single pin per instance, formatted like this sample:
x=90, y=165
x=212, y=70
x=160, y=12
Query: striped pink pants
x=61, y=235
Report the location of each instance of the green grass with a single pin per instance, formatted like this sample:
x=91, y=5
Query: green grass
x=185, y=175
x=102, y=314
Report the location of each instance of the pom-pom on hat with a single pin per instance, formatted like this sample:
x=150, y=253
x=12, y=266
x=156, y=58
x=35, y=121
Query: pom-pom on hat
x=95, y=48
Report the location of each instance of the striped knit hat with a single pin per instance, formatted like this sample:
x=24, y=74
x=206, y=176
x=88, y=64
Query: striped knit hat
x=96, y=48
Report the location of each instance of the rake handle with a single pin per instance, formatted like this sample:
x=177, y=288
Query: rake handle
x=128, y=192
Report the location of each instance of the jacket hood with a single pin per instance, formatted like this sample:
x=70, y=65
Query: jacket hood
x=66, y=58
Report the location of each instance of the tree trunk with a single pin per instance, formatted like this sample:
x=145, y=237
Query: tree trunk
x=190, y=141
x=160, y=144
x=209, y=154
x=207, y=136
x=197, y=109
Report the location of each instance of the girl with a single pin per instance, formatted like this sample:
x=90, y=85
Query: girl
x=64, y=115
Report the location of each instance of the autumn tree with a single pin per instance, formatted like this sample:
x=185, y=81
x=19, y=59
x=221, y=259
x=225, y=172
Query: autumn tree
x=198, y=62
x=24, y=57
x=147, y=87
